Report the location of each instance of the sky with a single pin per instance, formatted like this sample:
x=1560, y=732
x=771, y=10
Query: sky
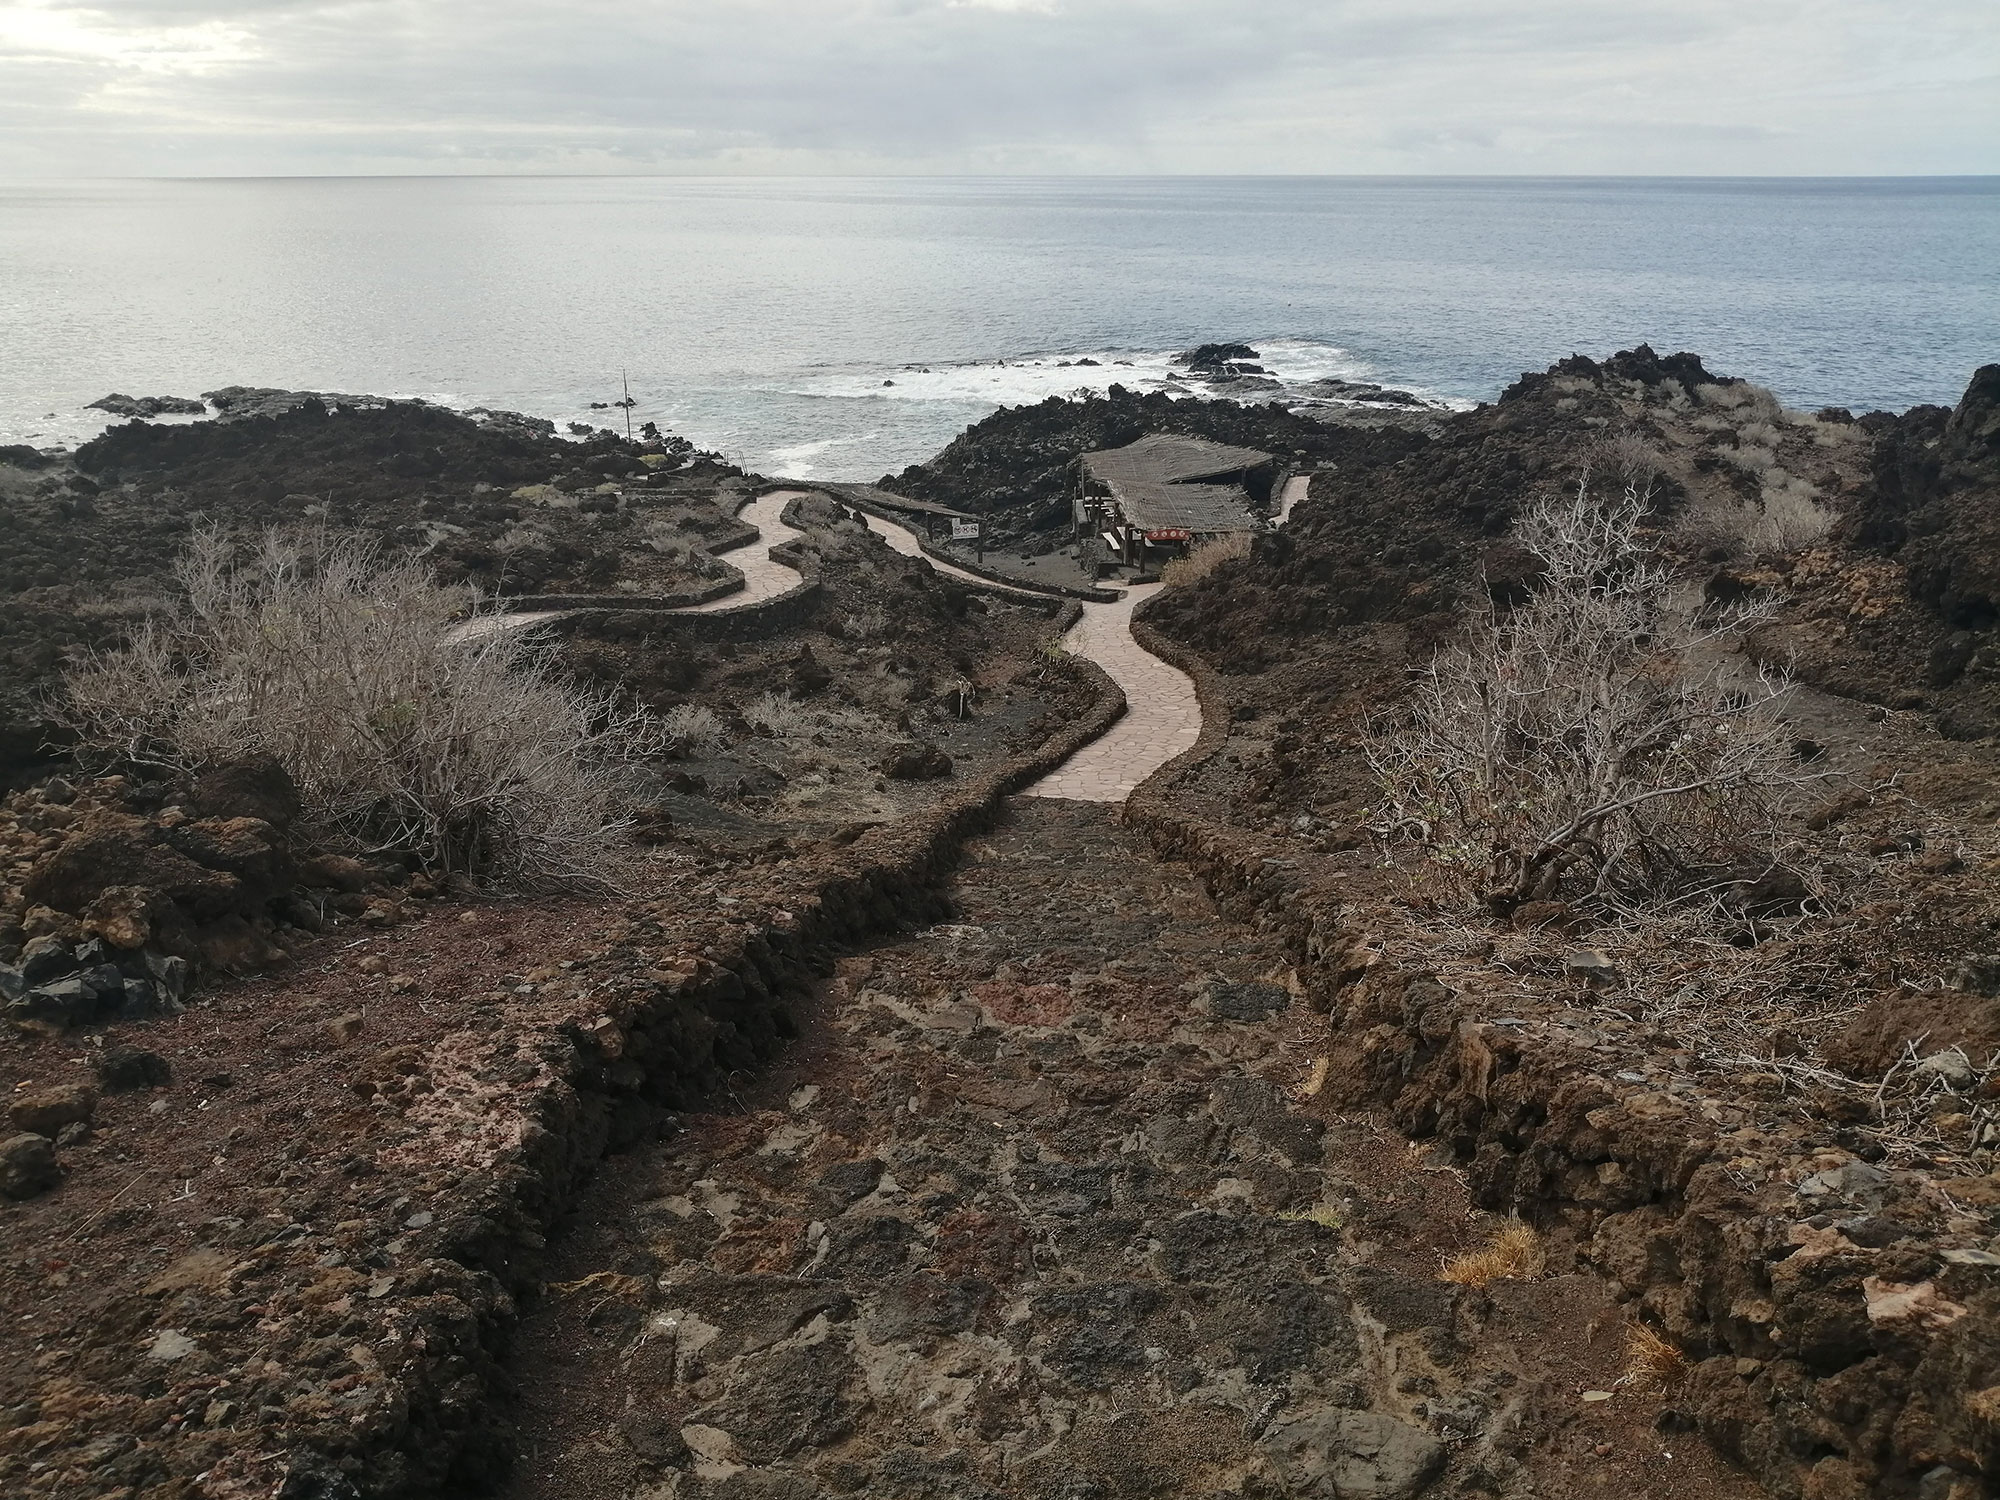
x=1677, y=87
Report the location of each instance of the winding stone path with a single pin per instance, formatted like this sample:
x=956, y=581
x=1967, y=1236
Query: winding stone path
x=764, y=577
x=1162, y=715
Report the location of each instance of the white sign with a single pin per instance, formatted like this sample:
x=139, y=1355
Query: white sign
x=965, y=531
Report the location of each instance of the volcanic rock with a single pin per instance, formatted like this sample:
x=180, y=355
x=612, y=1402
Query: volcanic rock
x=255, y=787
x=28, y=1166
x=120, y=405
x=123, y=1069
x=46, y=1112
x=916, y=762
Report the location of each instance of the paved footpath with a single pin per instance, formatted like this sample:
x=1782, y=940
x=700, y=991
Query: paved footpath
x=764, y=577
x=1162, y=715
x=1293, y=492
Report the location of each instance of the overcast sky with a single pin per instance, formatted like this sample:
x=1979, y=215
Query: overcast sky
x=183, y=87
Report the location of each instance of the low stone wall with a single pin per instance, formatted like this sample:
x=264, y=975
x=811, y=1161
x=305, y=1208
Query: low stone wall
x=612, y=1069
x=517, y=604
x=1793, y=1373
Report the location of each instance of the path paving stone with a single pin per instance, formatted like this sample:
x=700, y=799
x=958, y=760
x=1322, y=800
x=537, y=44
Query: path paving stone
x=1023, y=1218
x=1162, y=714
x=764, y=577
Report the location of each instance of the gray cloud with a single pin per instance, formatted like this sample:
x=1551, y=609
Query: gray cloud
x=818, y=85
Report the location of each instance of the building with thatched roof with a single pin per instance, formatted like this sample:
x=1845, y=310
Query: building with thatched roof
x=1154, y=498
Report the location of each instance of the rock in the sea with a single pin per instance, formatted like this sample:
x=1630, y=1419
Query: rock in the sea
x=1334, y=1454
x=1216, y=357
x=28, y=1165
x=121, y=405
x=46, y=1111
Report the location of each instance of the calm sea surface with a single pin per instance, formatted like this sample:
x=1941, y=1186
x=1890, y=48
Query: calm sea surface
x=764, y=317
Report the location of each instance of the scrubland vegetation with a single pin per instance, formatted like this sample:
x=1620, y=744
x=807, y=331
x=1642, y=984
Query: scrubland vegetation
x=467, y=749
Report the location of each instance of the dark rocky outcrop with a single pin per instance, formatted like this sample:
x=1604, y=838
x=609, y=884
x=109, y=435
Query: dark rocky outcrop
x=120, y=405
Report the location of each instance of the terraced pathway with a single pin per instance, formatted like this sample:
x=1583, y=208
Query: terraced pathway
x=1026, y=1215
x=1162, y=715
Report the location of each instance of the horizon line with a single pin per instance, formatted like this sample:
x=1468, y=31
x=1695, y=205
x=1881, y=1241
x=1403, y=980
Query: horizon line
x=700, y=176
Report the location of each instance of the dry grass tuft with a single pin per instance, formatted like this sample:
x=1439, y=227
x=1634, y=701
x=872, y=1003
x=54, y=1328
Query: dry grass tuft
x=1514, y=1252
x=1205, y=559
x=1651, y=1363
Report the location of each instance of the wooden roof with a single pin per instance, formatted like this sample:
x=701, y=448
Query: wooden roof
x=1155, y=483
x=1163, y=458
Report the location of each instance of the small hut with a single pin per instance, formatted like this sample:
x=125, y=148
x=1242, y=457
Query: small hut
x=1151, y=500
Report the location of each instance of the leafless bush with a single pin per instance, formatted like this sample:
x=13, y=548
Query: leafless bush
x=1594, y=744
x=1205, y=559
x=465, y=748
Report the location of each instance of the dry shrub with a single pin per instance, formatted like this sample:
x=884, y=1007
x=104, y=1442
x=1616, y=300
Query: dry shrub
x=691, y=730
x=1630, y=459
x=1785, y=518
x=1792, y=519
x=1204, y=559
x=1749, y=402
x=779, y=716
x=868, y=623
x=1751, y=459
x=1514, y=1251
x=466, y=749
x=1651, y=1363
x=1593, y=745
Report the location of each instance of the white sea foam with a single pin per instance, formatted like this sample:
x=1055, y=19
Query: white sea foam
x=1295, y=364
x=796, y=461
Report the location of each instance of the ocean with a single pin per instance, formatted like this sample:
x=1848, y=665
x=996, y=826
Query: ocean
x=843, y=328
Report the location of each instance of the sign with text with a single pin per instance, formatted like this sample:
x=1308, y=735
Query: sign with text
x=965, y=531
x=1170, y=534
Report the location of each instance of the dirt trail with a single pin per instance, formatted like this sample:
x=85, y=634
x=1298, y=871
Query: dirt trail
x=1035, y=1209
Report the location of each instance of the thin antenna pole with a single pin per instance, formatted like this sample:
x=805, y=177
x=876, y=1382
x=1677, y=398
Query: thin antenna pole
x=627, y=380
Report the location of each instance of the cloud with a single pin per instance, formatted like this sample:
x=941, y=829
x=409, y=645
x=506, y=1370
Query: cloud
x=998, y=85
